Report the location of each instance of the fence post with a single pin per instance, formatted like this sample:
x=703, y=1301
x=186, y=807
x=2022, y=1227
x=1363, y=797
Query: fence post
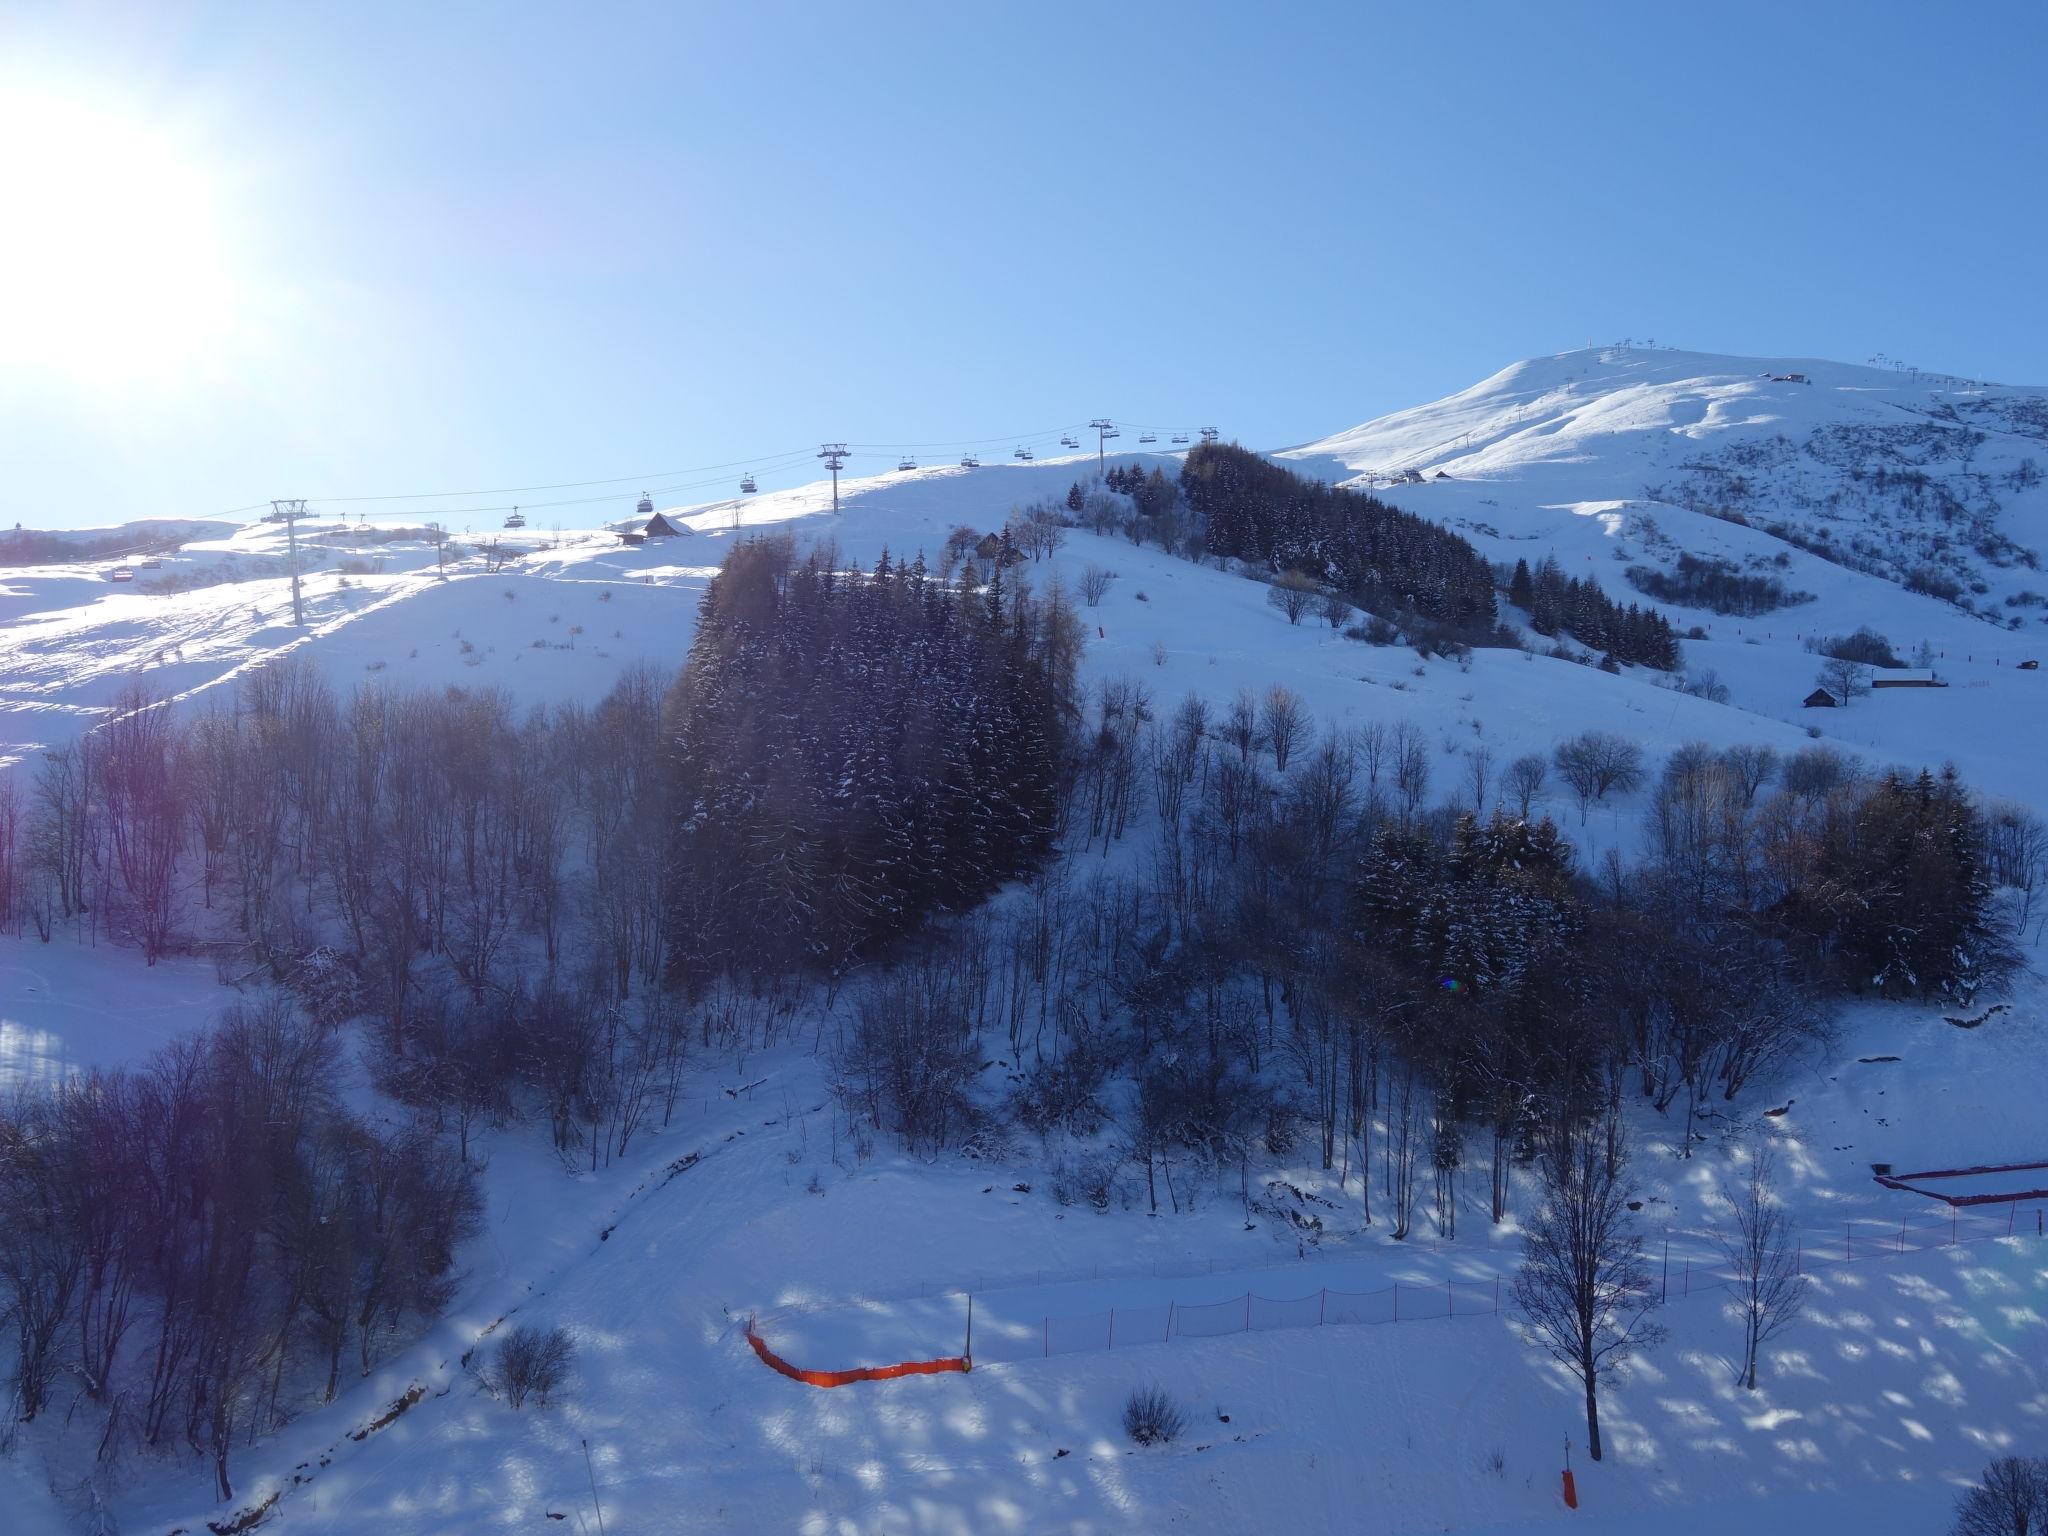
x=1450, y=1300
x=1322, y=1304
x=1169, y=1322
x=1112, y=1327
x=1496, y=1295
x=1247, y=1312
x=1397, y=1301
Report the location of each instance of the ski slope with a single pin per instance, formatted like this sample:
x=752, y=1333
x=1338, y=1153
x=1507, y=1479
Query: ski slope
x=1908, y=1376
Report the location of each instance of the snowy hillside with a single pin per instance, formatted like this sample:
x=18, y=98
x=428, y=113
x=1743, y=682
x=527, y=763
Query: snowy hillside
x=1932, y=482
x=1909, y=1370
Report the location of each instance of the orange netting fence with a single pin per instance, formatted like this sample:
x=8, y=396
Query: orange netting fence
x=775, y=1362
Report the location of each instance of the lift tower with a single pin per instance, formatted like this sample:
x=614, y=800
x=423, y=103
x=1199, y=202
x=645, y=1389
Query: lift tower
x=289, y=512
x=1105, y=429
x=834, y=455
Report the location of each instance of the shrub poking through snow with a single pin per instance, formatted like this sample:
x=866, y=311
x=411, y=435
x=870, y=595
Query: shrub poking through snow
x=531, y=1362
x=1153, y=1418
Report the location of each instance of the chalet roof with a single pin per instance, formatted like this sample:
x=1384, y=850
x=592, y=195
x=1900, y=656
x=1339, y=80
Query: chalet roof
x=1820, y=698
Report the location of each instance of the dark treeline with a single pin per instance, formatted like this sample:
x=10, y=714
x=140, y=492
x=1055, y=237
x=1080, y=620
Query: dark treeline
x=1385, y=560
x=1697, y=581
x=201, y=1243
x=1561, y=604
x=856, y=750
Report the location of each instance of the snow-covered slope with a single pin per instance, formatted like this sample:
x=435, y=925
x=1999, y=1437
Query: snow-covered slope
x=1910, y=1374
x=1897, y=474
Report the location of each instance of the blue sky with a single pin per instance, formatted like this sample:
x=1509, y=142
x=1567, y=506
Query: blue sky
x=388, y=248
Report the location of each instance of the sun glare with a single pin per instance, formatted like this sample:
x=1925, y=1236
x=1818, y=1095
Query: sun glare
x=116, y=258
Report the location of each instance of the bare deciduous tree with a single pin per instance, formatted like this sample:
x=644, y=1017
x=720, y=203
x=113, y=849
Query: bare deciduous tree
x=1283, y=721
x=1293, y=594
x=2012, y=1500
x=1751, y=767
x=1094, y=583
x=1240, y=727
x=1844, y=678
x=1411, y=767
x=2016, y=844
x=1595, y=763
x=1479, y=777
x=1582, y=1286
x=1769, y=1291
x=1525, y=778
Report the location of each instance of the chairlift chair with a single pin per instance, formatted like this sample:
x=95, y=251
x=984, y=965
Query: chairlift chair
x=1068, y=440
x=1180, y=437
x=746, y=485
x=516, y=520
x=1024, y=454
x=970, y=462
x=906, y=463
x=1147, y=437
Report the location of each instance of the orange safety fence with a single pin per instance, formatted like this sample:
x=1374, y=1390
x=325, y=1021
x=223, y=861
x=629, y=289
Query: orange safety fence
x=775, y=1362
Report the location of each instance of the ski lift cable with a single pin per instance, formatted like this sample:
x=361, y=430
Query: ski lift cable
x=1050, y=434
x=790, y=455
x=759, y=464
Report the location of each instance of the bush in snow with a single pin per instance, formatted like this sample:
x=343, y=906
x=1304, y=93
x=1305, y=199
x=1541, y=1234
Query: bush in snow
x=1866, y=645
x=1153, y=1418
x=1293, y=594
x=531, y=1362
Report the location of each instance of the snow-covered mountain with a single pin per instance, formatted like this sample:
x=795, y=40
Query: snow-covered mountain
x=1936, y=482
x=1597, y=458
